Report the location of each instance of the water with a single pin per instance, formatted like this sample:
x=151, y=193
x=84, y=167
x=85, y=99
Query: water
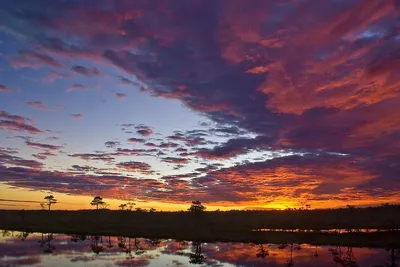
x=37, y=249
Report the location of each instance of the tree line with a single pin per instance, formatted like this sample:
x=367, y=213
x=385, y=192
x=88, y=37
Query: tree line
x=99, y=203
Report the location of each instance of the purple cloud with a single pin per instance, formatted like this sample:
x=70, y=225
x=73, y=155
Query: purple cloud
x=90, y=72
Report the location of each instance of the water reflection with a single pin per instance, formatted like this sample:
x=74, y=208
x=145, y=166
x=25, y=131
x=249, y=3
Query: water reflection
x=45, y=243
x=49, y=249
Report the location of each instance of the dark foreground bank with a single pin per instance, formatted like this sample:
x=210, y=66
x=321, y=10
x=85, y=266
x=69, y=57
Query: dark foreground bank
x=220, y=226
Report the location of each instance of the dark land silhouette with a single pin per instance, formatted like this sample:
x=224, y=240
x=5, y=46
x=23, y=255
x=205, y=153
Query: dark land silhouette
x=374, y=226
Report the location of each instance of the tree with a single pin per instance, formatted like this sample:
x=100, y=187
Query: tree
x=130, y=206
x=97, y=201
x=196, y=206
x=50, y=200
x=140, y=210
x=123, y=206
x=152, y=210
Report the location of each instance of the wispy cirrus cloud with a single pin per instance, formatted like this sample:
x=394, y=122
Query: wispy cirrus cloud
x=5, y=89
x=31, y=59
x=76, y=87
x=86, y=71
x=17, y=123
x=121, y=96
x=134, y=166
x=77, y=115
x=43, y=146
x=39, y=105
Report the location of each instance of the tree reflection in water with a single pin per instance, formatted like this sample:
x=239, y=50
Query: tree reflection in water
x=262, y=251
x=124, y=243
x=23, y=235
x=96, y=244
x=197, y=257
x=292, y=247
x=394, y=258
x=133, y=247
x=76, y=238
x=345, y=259
x=45, y=243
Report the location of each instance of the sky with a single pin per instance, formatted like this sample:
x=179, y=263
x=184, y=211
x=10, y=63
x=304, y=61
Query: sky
x=237, y=104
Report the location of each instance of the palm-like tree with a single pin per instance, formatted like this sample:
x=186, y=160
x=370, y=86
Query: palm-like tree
x=50, y=200
x=97, y=201
x=196, y=206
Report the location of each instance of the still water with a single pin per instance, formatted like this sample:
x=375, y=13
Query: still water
x=46, y=249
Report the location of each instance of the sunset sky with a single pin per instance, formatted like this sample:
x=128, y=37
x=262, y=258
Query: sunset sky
x=238, y=104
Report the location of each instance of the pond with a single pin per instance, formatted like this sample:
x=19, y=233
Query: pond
x=47, y=249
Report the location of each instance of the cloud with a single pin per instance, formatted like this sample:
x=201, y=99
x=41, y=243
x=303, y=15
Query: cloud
x=77, y=115
x=38, y=105
x=9, y=157
x=19, y=127
x=52, y=76
x=112, y=144
x=136, y=140
x=125, y=80
x=175, y=160
x=17, y=118
x=5, y=89
x=76, y=87
x=133, y=262
x=43, y=146
x=305, y=77
x=22, y=261
x=83, y=169
x=90, y=72
x=34, y=60
x=17, y=123
x=121, y=96
x=235, y=147
x=43, y=155
x=134, y=166
x=94, y=156
x=168, y=145
x=144, y=130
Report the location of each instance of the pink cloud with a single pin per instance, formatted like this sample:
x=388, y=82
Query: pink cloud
x=5, y=89
x=43, y=146
x=34, y=60
x=76, y=87
x=77, y=115
x=86, y=71
x=121, y=96
x=38, y=105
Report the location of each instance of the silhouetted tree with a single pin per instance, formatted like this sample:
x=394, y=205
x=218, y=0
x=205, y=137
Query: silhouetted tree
x=97, y=201
x=130, y=206
x=122, y=206
x=196, y=206
x=152, y=210
x=50, y=200
x=140, y=210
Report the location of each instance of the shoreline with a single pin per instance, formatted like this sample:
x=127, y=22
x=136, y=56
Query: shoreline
x=231, y=226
